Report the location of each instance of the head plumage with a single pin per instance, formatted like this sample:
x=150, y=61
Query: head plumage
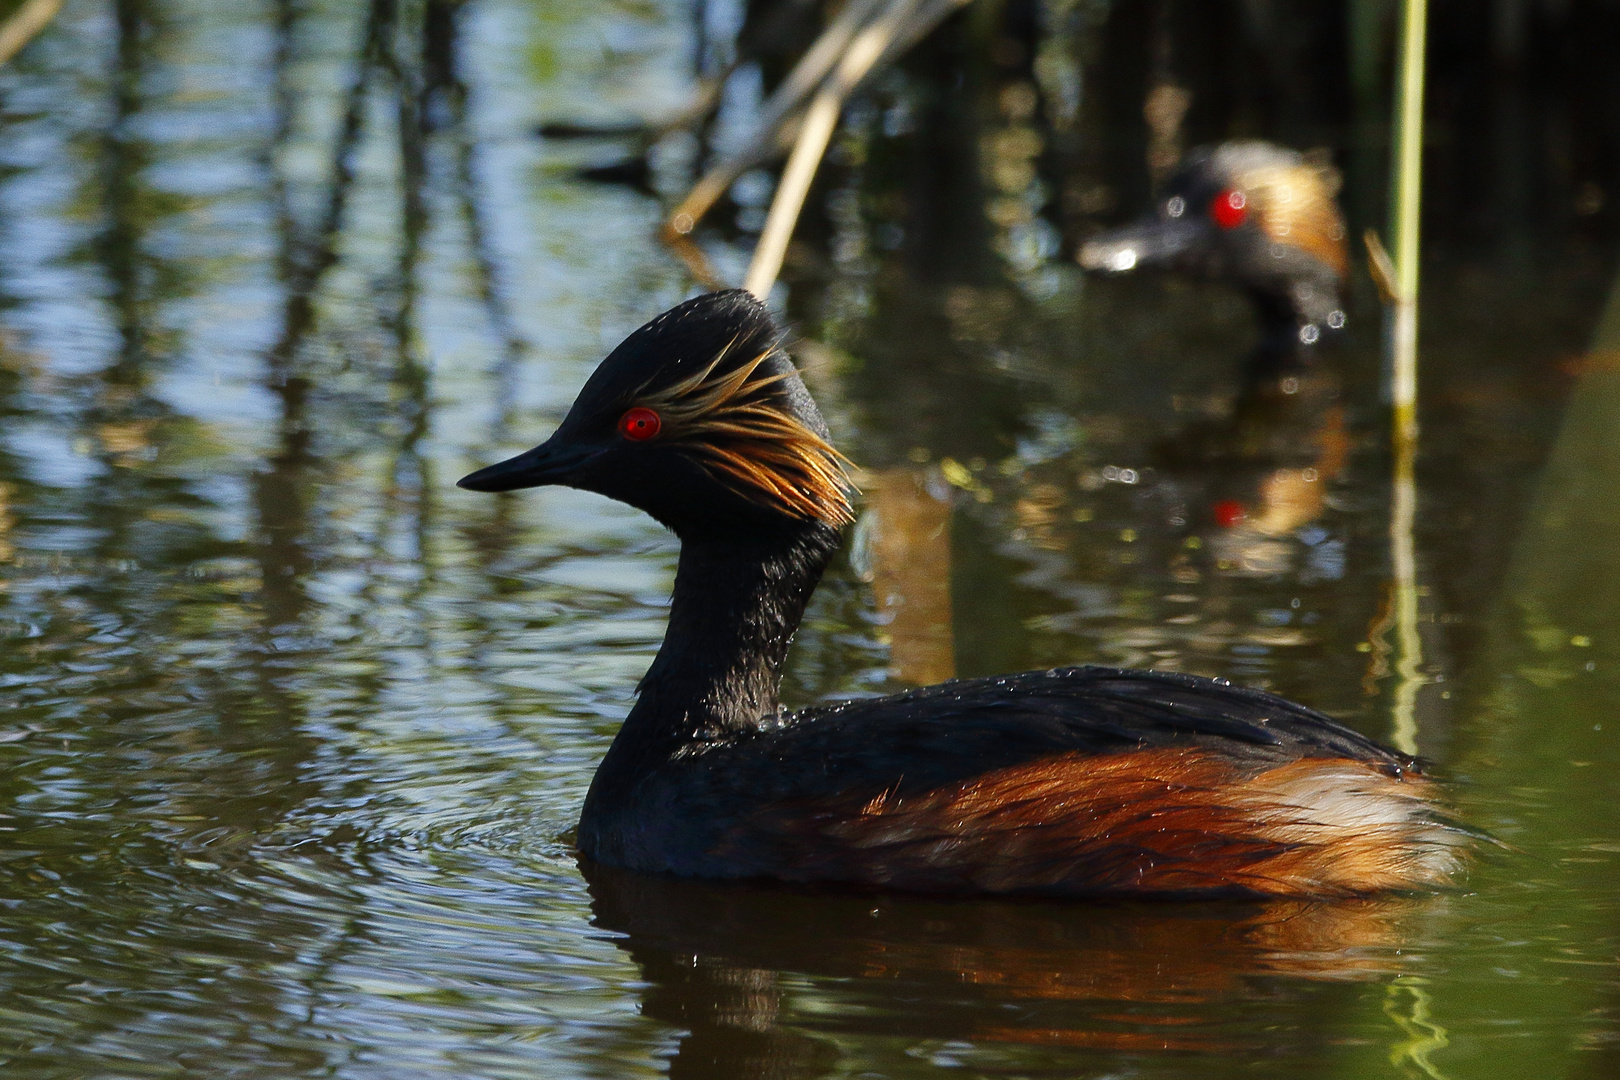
x=1292, y=195
x=728, y=416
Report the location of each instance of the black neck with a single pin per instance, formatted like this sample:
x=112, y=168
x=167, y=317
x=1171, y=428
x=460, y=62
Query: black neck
x=1285, y=324
x=736, y=605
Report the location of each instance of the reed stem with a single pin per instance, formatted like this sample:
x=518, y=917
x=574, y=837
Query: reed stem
x=820, y=120
x=25, y=23
x=1407, y=175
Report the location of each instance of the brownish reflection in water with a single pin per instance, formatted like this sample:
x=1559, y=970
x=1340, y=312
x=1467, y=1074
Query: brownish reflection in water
x=911, y=572
x=1286, y=444
x=748, y=969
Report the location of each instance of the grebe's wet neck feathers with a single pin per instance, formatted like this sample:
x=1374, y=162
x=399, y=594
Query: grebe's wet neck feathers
x=732, y=616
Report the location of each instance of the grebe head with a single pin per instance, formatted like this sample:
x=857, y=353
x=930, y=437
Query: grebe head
x=700, y=419
x=1253, y=213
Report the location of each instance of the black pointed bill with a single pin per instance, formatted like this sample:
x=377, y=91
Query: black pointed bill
x=545, y=464
x=1145, y=243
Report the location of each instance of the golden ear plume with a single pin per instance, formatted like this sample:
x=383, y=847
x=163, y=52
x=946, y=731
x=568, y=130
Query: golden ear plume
x=1296, y=206
x=731, y=425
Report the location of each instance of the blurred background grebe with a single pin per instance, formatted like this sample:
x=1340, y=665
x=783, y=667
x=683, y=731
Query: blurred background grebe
x=292, y=732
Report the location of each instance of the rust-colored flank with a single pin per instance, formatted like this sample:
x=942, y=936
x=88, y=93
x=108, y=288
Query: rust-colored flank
x=1164, y=820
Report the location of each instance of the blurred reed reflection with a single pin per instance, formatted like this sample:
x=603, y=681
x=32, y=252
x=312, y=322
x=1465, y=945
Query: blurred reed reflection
x=910, y=555
x=769, y=981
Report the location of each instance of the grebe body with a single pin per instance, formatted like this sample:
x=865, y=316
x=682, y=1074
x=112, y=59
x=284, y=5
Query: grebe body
x=1257, y=216
x=1070, y=781
x=1265, y=220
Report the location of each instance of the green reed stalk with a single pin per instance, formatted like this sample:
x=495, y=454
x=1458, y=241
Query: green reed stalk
x=1407, y=169
x=1407, y=177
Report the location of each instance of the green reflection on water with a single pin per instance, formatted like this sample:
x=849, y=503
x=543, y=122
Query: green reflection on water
x=293, y=733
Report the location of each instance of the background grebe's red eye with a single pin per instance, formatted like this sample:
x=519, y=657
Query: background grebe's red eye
x=639, y=424
x=1229, y=209
x=1228, y=513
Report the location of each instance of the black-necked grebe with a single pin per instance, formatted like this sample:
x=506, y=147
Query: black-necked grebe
x=1259, y=216
x=1072, y=781
x=1263, y=219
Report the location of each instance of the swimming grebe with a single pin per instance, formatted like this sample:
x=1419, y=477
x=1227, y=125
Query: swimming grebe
x=1257, y=215
x=1074, y=780
x=1265, y=219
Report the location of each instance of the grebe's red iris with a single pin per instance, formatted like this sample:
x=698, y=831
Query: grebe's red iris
x=639, y=424
x=1229, y=209
x=1228, y=513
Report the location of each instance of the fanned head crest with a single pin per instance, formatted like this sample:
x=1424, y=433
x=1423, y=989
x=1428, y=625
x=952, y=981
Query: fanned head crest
x=696, y=417
x=734, y=416
x=1293, y=198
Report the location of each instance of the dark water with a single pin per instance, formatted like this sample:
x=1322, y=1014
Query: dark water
x=293, y=732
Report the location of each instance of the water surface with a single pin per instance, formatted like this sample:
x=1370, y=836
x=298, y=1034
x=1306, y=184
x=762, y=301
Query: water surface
x=293, y=733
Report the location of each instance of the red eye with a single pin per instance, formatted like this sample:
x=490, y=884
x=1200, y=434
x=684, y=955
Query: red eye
x=1229, y=209
x=639, y=424
x=1228, y=513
